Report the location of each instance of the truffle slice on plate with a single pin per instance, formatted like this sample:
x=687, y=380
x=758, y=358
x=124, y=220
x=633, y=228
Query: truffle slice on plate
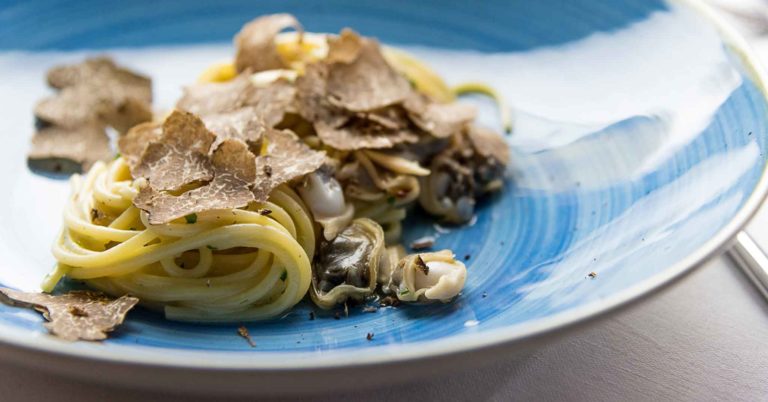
x=179, y=156
x=285, y=158
x=255, y=43
x=75, y=315
x=68, y=150
x=234, y=171
x=90, y=97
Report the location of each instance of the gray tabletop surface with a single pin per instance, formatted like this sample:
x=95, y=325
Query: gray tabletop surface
x=705, y=338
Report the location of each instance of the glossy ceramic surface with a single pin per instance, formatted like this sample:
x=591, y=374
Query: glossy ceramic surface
x=640, y=136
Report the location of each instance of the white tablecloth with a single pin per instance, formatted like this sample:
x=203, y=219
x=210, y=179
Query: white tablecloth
x=706, y=338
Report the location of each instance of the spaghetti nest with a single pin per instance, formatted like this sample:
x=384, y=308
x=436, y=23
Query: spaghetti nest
x=286, y=173
x=239, y=264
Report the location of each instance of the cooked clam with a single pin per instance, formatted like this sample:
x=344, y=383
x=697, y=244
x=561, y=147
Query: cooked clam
x=387, y=269
x=347, y=266
x=460, y=174
x=426, y=277
x=325, y=198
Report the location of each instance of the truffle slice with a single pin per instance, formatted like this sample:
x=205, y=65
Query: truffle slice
x=101, y=70
x=133, y=143
x=312, y=98
x=234, y=170
x=243, y=124
x=286, y=158
x=269, y=102
x=352, y=98
x=366, y=83
x=370, y=130
x=217, y=97
x=255, y=43
x=96, y=89
x=74, y=107
x=68, y=150
x=489, y=143
x=76, y=315
x=128, y=113
x=441, y=120
x=92, y=95
x=344, y=48
x=273, y=101
x=179, y=156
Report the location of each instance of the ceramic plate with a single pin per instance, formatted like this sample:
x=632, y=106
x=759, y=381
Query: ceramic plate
x=638, y=151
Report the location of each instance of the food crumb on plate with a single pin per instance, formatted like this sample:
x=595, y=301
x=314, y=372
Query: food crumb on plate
x=423, y=243
x=243, y=332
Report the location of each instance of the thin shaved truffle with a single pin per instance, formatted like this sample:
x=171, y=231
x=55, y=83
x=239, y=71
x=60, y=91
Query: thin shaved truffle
x=270, y=102
x=441, y=120
x=127, y=114
x=338, y=118
x=217, y=97
x=92, y=95
x=312, y=98
x=233, y=158
x=235, y=170
x=366, y=131
x=366, y=83
x=344, y=48
x=273, y=101
x=85, y=104
x=179, y=156
x=244, y=124
x=96, y=90
x=286, y=158
x=68, y=150
x=388, y=119
x=101, y=71
x=136, y=140
x=488, y=143
x=76, y=315
x=255, y=43
x=72, y=107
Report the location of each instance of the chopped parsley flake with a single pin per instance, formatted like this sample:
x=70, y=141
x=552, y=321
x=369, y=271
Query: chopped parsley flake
x=191, y=218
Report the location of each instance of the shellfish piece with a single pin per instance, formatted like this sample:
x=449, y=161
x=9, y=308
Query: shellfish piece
x=325, y=198
x=472, y=166
x=347, y=267
x=427, y=277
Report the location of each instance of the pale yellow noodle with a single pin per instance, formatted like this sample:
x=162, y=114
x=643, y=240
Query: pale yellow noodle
x=396, y=164
x=234, y=264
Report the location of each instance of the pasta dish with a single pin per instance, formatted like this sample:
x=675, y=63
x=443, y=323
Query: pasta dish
x=284, y=174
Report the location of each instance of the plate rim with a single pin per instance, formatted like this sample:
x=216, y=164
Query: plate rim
x=461, y=344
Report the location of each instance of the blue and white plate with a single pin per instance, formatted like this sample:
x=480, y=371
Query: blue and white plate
x=639, y=150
